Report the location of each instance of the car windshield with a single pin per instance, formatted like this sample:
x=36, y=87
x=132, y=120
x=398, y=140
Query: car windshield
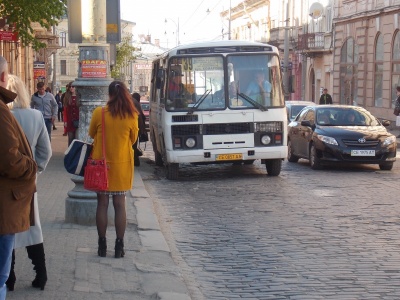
x=345, y=117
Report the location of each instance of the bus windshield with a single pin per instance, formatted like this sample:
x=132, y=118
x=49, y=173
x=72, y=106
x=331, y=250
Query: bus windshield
x=257, y=77
x=211, y=83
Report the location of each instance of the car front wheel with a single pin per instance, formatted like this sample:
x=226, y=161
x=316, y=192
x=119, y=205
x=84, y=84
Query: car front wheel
x=386, y=166
x=315, y=161
x=291, y=157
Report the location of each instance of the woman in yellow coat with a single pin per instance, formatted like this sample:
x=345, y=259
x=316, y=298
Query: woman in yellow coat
x=121, y=131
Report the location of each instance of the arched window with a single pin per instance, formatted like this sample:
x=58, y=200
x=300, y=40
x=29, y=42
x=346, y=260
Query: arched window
x=395, y=66
x=348, y=73
x=378, y=70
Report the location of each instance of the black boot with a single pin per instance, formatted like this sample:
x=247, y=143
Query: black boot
x=11, y=278
x=119, y=248
x=102, y=250
x=36, y=254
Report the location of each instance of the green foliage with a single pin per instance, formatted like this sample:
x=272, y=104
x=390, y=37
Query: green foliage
x=23, y=13
x=124, y=57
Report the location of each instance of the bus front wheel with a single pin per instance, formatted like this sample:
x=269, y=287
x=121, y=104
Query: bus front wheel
x=172, y=171
x=273, y=167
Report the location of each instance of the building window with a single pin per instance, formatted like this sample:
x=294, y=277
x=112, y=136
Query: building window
x=395, y=66
x=63, y=67
x=378, y=70
x=348, y=73
x=63, y=39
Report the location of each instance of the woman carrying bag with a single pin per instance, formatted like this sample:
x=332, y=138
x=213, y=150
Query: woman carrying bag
x=121, y=131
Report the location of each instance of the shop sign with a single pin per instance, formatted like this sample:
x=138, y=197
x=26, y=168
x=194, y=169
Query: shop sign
x=8, y=36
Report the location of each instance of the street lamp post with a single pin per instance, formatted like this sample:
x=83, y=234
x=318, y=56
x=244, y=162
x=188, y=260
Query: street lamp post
x=177, y=29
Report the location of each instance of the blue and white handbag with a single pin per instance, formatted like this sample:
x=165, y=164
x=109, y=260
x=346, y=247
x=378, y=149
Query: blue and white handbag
x=76, y=156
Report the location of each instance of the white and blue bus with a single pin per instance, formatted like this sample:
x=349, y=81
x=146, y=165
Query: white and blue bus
x=218, y=102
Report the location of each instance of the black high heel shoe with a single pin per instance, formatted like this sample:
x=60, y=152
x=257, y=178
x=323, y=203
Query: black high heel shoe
x=119, y=248
x=39, y=282
x=102, y=250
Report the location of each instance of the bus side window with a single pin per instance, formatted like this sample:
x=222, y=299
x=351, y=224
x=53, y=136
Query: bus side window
x=160, y=78
x=160, y=83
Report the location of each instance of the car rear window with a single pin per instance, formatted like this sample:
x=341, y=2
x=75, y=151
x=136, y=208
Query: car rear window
x=145, y=106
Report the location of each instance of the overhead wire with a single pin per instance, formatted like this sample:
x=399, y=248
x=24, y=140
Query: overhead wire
x=203, y=19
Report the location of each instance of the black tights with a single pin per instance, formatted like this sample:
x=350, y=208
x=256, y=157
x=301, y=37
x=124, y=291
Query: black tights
x=119, y=218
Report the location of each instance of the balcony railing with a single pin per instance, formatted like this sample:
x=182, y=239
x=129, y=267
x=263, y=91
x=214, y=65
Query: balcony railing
x=311, y=41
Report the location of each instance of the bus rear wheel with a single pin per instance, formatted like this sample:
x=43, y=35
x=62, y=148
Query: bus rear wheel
x=172, y=171
x=273, y=167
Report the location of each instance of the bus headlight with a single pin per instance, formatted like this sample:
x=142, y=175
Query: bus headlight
x=190, y=142
x=265, y=140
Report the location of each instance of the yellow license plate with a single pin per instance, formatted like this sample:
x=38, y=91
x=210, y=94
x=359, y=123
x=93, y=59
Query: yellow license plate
x=235, y=156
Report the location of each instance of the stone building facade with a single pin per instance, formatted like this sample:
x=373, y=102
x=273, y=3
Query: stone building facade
x=21, y=58
x=367, y=54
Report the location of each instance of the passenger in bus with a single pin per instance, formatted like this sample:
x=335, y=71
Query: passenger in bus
x=177, y=93
x=260, y=89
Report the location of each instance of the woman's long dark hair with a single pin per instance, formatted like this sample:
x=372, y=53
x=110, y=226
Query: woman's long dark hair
x=120, y=102
x=67, y=100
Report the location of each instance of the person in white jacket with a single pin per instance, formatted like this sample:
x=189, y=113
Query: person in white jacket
x=33, y=124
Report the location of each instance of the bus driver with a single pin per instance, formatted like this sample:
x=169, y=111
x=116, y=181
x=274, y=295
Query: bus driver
x=177, y=93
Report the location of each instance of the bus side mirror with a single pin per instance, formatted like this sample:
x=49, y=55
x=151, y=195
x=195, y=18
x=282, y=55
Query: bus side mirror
x=160, y=78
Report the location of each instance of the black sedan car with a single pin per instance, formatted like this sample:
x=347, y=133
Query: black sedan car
x=327, y=134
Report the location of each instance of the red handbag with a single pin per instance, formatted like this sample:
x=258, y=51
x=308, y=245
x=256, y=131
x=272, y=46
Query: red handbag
x=96, y=173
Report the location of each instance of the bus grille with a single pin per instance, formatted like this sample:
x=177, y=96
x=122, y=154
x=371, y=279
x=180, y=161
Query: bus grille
x=185, y=129
x=230, y=128
x=185, y=118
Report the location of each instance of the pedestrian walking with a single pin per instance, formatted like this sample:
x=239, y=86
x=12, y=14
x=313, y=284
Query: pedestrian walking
x=17, y=179
x=71, y=107
x=121, y=129
x=33, y=125
x=325, y=97
x=60, y=106
x=45, y=103
x=397, y=107
x=48, y=90
x=142, y=128
x=64, y=114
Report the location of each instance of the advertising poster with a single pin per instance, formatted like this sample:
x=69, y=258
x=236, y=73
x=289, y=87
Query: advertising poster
x=39, y=70
x=94, y=68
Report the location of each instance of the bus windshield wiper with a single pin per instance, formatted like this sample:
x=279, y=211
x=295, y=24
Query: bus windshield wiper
x=251, y=101
x=198, y=103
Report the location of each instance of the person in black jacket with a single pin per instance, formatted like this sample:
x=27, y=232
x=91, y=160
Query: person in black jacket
x=142, y=128
x=325, y=97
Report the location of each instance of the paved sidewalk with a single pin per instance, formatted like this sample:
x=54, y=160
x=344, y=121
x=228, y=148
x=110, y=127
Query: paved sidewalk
x=75, y=271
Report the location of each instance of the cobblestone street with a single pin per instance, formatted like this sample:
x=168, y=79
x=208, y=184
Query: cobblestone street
x=330, y=234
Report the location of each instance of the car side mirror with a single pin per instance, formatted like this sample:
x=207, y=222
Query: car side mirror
x=307, y=123
x=385, y=123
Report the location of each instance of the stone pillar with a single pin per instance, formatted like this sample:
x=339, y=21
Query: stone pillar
x=80, y=205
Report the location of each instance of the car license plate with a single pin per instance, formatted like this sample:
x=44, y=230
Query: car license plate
x=235, y=156
x=362, y=152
